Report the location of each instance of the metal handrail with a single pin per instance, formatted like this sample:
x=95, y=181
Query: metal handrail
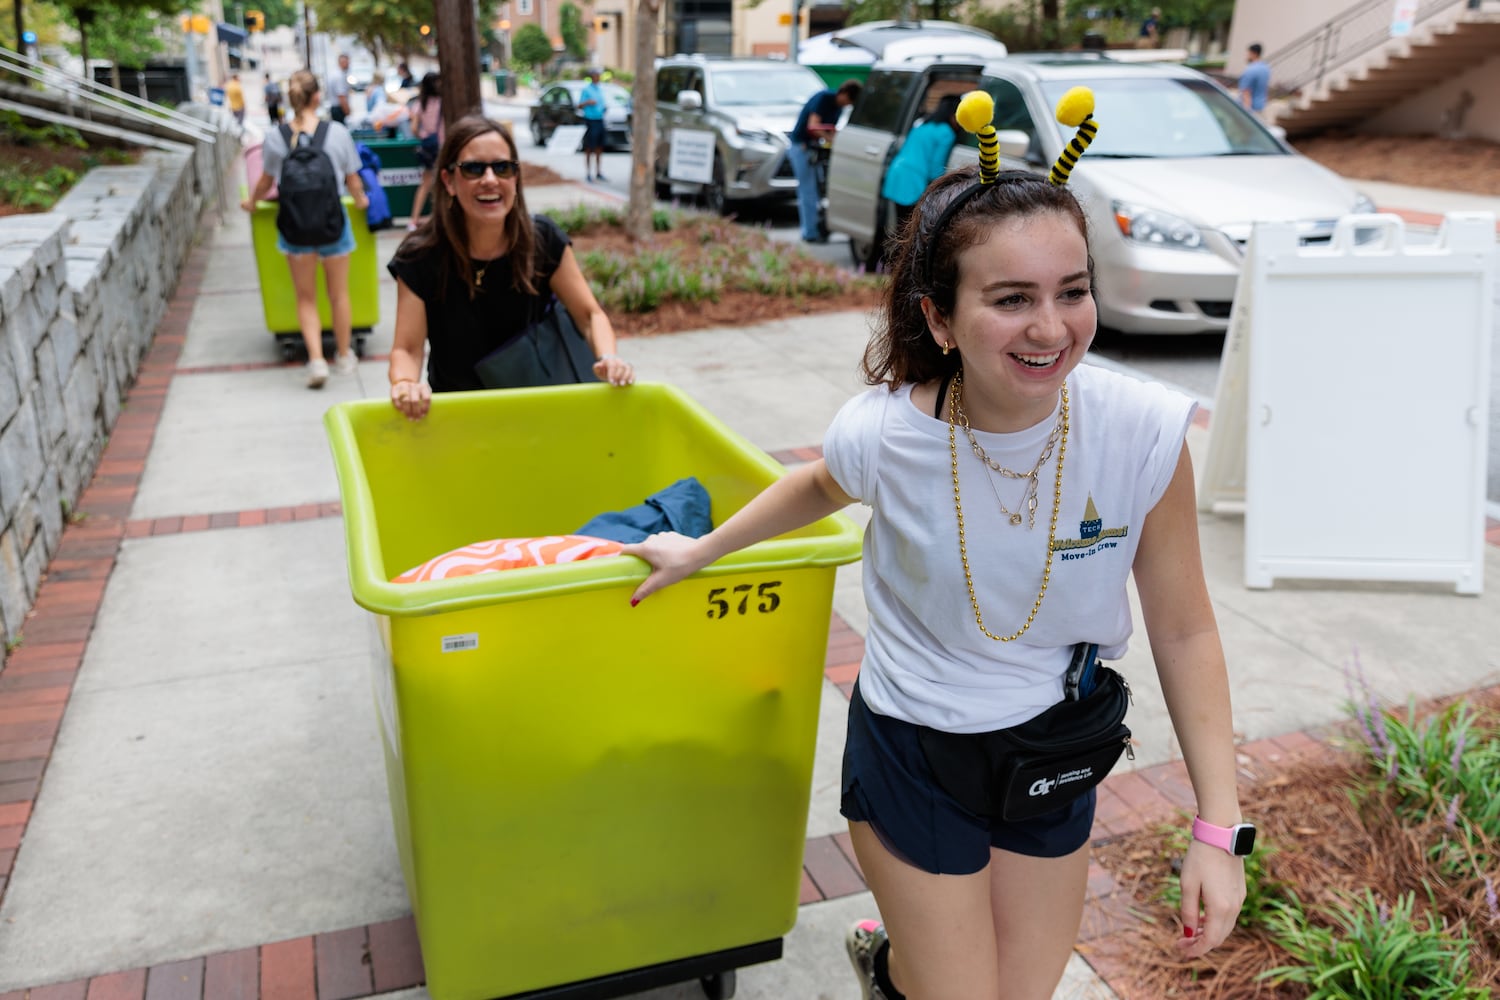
x=117, y=101
x=1363, y=27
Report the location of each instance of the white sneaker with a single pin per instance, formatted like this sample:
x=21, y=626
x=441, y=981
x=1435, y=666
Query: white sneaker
x=345, y=363
x=862, y=942
x=317, y=373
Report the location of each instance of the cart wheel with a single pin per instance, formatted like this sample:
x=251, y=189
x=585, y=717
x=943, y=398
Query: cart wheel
x=288, y=351
x=719, y=986
x=359, y=346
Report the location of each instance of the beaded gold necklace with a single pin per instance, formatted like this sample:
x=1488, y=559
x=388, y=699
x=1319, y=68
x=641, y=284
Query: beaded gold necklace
x=955, y=405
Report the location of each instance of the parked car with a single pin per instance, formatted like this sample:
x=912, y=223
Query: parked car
x=1172, y=185
x=751, y=105
x=558, y=105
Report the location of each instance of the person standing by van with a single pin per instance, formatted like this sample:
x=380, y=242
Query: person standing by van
x=819, y=118
x=923, y=158
x=591, y=106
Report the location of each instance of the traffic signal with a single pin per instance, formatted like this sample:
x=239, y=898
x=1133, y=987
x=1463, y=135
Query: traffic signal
x=601, y=23
x=425, y=30
x=255, y=20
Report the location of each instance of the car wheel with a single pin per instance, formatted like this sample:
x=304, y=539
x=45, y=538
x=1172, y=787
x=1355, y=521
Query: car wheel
x=714, y=198
x=536, y=132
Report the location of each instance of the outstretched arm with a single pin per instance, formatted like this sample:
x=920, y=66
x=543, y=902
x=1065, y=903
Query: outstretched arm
x=1194, y=681
x=799, y=498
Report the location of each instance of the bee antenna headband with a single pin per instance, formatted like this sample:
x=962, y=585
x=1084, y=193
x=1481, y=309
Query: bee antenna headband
x=976, y=114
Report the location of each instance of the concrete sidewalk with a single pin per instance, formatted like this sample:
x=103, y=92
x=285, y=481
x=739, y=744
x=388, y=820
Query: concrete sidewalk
x=194, y=801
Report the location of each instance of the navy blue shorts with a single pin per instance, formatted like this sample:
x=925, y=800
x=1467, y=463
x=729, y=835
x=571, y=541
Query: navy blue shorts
x=593, y=135
x=888, y=784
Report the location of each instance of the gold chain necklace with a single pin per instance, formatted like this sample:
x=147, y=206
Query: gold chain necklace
x=479, y=274
x=1028, y=495
x=954, y=393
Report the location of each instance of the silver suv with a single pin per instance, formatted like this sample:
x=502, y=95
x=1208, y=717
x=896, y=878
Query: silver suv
x=750, y=105
x=1172, y=186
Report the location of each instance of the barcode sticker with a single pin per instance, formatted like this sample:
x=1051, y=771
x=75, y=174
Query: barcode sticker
x=459, y=643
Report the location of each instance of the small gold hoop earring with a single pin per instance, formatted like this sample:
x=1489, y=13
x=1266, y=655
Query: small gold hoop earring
x=946, y=349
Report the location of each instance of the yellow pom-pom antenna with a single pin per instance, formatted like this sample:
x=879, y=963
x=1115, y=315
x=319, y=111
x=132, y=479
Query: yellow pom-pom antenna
x=976, y=114
x=1075, y=108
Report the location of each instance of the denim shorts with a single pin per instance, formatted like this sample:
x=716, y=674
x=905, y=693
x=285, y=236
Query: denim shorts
x=888, y=784
x=338, y=248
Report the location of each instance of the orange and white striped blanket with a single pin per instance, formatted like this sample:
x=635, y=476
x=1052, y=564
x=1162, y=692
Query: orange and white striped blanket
x=509, y=553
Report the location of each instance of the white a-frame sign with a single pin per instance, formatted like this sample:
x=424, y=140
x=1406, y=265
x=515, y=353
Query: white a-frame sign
x=1352, y=413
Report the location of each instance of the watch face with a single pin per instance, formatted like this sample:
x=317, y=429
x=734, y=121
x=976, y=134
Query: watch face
x=1244, y=840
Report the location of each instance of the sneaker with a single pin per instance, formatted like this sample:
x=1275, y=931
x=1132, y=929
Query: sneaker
x=317, y=373
x=863, y=941
x=598, y=177
x=345, y=363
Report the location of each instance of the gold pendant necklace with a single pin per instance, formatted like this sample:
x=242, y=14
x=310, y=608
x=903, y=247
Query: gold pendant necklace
x=955, y=391
x=479, y=274
x=1028, y=494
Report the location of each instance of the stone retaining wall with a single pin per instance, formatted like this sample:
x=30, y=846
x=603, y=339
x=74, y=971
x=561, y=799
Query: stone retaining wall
x=82, y=289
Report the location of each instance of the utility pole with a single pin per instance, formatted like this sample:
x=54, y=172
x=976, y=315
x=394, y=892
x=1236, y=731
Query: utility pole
x=458, y=53
x=791, y=53
x=306, y=38
x=20, y=30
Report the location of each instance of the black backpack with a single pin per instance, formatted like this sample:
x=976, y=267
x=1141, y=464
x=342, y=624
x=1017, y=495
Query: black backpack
x=310, y=212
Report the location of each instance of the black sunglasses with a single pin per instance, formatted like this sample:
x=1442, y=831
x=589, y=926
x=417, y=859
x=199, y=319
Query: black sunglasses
x=474, y=169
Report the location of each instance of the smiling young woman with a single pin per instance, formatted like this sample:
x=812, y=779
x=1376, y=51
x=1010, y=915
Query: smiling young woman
x=481, y=272
x=1014, y=493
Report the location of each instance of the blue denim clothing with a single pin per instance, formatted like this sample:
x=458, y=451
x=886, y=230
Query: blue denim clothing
x=683, y=507
x=807, y=189
x=342, y=246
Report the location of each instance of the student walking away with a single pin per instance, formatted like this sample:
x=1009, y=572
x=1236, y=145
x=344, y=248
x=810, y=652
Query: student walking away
x=816, y=123
x=426, y=114
x=1013, y=494
x=591, y=106
x=338, y=91
x=1255, y=82
x=313, y=164
x=1150, y=36
x=234, y=96
x=273, y=100
x=404, y=73
x=922, y=159
x=481, y=272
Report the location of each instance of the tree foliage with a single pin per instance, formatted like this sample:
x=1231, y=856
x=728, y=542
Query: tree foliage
x=575, y=36
x=531, y=46
x=279, y=13
x=124, y=33
x=382, y=26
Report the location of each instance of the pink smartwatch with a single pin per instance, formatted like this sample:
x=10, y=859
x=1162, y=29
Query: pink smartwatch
x=1238, y=840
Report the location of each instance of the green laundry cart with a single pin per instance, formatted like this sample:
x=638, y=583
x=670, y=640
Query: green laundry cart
x=400, y=172
x=589, y=799
x=279, y=299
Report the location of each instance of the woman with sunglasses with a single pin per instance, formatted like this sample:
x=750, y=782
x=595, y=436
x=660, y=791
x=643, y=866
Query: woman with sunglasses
x=482, y=272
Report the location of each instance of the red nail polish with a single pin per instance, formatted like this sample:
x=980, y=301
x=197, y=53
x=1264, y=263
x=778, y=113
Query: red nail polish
x=634, y=601
x=1187, y=932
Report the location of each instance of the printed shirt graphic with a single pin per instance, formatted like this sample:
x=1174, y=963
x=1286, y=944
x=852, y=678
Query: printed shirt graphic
x=1124, y=441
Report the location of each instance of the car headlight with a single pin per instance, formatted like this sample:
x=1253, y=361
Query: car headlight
x=754, y=134
x=1156, y=228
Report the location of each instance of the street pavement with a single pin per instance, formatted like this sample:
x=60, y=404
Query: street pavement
x=215, y=799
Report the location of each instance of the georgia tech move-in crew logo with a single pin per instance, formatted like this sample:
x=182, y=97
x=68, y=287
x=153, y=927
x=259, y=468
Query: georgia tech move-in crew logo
x=1092, y=535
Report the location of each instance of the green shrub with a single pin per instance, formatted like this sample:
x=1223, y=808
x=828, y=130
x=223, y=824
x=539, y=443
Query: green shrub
x=1373, y=951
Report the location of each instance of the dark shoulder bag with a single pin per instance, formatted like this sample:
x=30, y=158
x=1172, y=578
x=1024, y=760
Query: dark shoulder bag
x=1045, y=762
x=550, y=351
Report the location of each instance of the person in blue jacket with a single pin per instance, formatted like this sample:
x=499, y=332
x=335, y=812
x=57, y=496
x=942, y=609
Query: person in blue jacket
x=923, y=158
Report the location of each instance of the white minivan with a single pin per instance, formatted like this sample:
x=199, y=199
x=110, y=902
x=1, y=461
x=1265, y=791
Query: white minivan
x=1172, y=185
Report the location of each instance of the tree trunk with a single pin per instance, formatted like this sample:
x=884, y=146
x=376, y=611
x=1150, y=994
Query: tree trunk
x=458, y=53
x=643, y=123
x=20, y=29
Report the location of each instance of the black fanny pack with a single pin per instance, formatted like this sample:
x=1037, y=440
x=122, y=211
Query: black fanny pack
x=1045, y=762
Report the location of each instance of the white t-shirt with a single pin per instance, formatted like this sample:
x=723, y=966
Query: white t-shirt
x=926, y=661
x=337, y=143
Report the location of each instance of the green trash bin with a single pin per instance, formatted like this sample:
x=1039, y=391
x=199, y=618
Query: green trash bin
x=279, y=299
x=589, y=799
x=400, y=172
x=502, y=83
